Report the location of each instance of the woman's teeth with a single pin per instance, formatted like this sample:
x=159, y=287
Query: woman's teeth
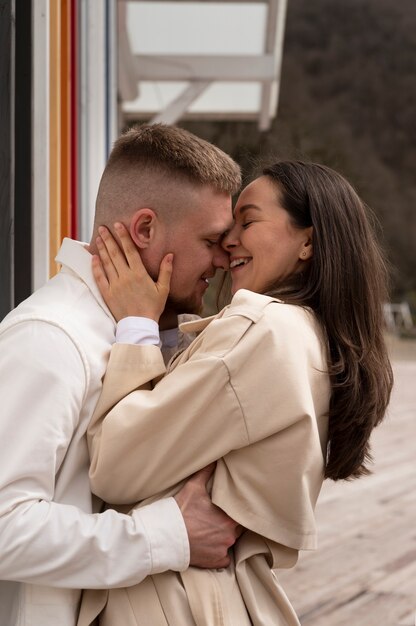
x=238, y=262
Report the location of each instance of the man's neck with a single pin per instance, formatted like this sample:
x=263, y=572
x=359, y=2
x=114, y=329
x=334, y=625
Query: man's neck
x=168, y=319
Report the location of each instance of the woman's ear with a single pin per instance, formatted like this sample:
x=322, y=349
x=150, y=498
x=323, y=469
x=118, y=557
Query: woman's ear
x=306, y=252
x=142, y=227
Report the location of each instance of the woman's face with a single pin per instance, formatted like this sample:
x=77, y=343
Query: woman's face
x=263, y=244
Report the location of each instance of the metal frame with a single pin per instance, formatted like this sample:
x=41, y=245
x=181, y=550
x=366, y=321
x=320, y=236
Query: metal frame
x=7, y=78
x=200, y=71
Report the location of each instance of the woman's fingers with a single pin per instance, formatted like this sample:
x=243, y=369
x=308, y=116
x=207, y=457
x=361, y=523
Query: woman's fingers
x=115, y=255
x=99, y=275
x=132, y=254
x=106, y=261
x=123, y=280
x=165, y=274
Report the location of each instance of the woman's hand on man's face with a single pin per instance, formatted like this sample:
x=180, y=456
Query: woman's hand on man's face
x=123, y=281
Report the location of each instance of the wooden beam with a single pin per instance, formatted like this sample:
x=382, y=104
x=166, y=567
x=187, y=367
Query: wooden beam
x=127, y=79
x=176, y=109
x=274, y=37
x=205, y=67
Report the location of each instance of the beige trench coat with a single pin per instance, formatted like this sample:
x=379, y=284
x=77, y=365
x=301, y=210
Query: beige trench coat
x=252, y=391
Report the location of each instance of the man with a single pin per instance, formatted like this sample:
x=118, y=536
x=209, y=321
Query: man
x=172, y=191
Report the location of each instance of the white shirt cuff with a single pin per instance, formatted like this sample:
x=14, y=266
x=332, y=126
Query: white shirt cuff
x=137, y=330
x=166, y=531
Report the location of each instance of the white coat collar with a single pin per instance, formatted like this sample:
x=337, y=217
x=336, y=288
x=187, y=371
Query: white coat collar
x=74, y=256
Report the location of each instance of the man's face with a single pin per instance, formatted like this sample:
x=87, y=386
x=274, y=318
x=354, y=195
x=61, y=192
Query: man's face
x=195, y=242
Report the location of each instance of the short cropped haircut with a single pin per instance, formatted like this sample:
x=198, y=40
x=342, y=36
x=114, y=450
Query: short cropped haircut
x=179, y=152
x=156, y=165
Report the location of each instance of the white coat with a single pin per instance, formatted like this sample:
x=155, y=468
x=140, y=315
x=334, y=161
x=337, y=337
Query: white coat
x=54, y=349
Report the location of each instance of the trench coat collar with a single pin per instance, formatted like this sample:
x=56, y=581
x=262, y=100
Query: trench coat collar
x=244, y=302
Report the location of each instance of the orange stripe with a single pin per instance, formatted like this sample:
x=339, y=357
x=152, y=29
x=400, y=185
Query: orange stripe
x=55, y=135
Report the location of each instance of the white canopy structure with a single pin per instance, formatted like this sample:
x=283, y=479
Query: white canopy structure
x=200, y=60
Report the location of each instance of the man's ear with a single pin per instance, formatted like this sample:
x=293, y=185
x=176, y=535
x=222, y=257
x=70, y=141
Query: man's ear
x=142, y=227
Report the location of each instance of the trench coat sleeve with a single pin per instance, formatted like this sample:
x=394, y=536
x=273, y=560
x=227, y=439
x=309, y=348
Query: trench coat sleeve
x=129, y=367
x=212, y=405
x=153, y=439
x=177, y=424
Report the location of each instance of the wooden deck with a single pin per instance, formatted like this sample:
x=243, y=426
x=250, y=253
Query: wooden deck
x=364, y=571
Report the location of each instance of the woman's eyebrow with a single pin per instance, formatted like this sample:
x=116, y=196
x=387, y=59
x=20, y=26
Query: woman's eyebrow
x=246, y=207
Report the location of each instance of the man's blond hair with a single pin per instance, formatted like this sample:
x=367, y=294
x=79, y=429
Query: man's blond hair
x=161, y=167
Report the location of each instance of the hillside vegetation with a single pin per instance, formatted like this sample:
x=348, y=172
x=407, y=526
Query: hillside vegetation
x=348, y=99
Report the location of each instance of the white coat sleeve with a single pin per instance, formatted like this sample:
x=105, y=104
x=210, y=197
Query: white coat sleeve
x=42, y=383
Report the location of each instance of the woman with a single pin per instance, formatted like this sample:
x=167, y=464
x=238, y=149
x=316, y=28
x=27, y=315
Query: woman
x=283, y=388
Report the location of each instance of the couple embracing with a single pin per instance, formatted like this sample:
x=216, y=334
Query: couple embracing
x=211, y=461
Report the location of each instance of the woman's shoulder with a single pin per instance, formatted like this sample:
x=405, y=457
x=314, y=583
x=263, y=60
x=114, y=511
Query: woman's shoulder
x=250, y=320
x=248, y=304
x=269, y=308
x=279, y=323
x=244, y=297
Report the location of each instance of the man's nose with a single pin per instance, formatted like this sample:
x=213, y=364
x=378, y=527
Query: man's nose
x=230, y=240
x=221, y=258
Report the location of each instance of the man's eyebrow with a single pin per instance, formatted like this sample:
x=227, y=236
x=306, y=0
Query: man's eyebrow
x=217, y=234
x=246, y=207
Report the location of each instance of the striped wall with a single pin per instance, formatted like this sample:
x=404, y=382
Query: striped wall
x=74, y=120
x=58, y=112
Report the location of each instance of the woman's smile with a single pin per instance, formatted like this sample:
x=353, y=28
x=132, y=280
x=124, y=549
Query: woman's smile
x=239, y=262
x=264, y=245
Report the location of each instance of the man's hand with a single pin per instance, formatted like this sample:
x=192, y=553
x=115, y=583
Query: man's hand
x=210, y=531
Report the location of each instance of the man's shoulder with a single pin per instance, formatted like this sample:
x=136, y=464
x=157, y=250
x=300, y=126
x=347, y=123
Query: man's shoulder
x=55, y=300
x=66, y=303
x=70, y=295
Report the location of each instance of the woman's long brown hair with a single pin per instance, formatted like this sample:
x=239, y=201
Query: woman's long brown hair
x=345, y=284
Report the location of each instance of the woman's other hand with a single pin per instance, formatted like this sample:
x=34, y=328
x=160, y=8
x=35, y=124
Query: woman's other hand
x=123, y=281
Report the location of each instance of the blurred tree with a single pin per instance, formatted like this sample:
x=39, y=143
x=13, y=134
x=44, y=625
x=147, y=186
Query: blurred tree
x=348, y=99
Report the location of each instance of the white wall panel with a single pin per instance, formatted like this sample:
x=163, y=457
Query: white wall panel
x=40, y=144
